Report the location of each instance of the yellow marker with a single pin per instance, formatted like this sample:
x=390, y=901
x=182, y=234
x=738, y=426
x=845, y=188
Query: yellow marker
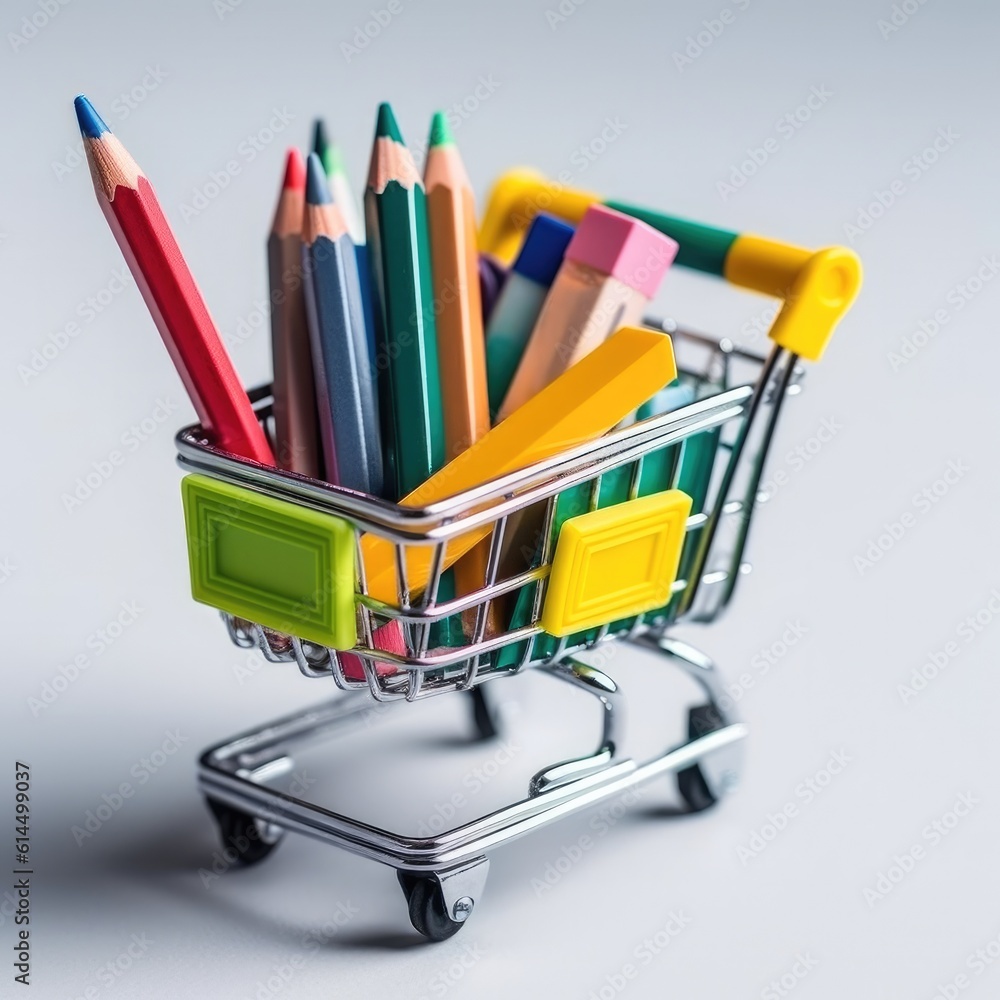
x=583, y=403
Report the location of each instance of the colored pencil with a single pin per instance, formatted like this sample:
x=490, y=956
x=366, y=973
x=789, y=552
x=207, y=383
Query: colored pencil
x=407, y=355
x=344, y=198
x=519, y=303
x=584, y=402
x=340, y=187
x=451, y=219
x=172, y=297
x=612, y=268
x=344, y=385
x=295, y=428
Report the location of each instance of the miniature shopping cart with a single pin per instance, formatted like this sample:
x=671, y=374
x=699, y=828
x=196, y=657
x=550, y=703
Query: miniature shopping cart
x=280, y=556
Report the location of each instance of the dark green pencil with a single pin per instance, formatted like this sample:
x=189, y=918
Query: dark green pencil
x=406, y=357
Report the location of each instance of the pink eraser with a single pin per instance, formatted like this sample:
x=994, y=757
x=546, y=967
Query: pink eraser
x=627, y=249
x=389, y=638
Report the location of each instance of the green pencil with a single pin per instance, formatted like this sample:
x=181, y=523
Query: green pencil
x=406, y=357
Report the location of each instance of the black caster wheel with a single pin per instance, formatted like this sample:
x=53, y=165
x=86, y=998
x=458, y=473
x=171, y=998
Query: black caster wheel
x=691, y=783
x=425, y=901
x=483, y=716
x=242, y=834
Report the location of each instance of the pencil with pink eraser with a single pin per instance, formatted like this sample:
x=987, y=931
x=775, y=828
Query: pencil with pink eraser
x=613, y=266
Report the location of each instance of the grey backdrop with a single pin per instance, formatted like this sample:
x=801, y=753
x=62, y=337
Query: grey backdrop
x=881, y=437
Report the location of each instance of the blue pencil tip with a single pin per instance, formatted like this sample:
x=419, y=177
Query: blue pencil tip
x=317, y=189
x=91, y=123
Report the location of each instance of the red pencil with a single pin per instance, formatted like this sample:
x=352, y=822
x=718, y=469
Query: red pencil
x=151, y=252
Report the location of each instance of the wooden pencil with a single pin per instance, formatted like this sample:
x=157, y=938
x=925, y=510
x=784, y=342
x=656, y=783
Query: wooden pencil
x=172, y=297
x=295, y=425
x=407, y=354
x=344, y=378
x=451, y=219
x=340, y=186
x=344, y=198
x=612, y=267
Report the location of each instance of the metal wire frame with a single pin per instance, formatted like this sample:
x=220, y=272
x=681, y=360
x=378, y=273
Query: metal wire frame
x=751, y=409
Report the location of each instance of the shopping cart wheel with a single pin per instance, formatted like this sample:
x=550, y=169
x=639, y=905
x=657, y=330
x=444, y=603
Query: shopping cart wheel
x=483, y=715
x=249, y=838
x=425, y=900
x=691, y=783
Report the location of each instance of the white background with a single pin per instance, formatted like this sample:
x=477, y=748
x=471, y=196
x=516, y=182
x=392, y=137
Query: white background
x=683, y=127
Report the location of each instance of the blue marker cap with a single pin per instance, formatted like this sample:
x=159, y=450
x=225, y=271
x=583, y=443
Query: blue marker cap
x=543, y=249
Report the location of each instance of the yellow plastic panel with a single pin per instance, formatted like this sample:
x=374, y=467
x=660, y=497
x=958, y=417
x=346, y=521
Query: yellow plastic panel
x=616, y=562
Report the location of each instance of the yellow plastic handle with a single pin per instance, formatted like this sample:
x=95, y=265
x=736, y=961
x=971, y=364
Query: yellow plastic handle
x=816, y=286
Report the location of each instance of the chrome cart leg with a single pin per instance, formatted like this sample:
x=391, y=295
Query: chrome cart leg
x=599, y=684
x=702, y=785
x=439, y=904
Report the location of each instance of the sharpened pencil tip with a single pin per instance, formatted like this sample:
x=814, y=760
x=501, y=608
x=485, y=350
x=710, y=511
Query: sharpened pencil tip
x=91, y=123
x=317, y=190
x=295, y=171
x=386, y=126
x=441, y=133
x=321, y=140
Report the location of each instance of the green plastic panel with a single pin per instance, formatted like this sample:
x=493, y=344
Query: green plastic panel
x=287, y=567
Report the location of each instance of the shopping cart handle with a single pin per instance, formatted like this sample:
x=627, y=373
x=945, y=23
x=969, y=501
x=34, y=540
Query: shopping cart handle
x=817, y=287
